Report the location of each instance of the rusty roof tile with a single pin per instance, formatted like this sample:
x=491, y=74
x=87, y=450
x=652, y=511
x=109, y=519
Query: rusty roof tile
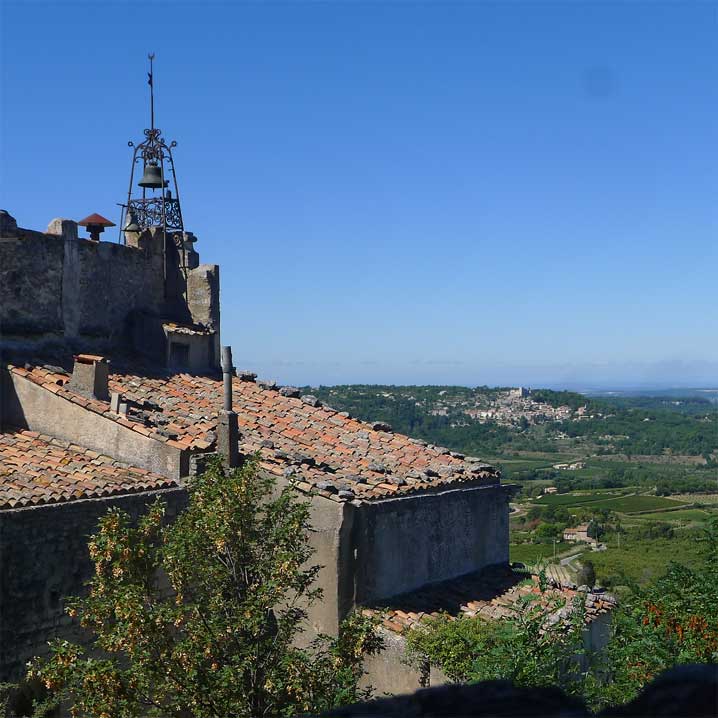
x=36, y=471
x=493, y=594
x=186, y=407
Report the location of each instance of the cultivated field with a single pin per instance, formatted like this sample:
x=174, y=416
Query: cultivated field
x=613, y=500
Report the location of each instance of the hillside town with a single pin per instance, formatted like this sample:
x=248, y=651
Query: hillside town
x=505, y=407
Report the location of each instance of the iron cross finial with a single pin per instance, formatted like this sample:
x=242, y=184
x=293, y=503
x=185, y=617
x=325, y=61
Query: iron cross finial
x=151, y=83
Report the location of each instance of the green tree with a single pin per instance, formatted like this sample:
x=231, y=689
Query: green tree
x=201, y=617
x=549, y=532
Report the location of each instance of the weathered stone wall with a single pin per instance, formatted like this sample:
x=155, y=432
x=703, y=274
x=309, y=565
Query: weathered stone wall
x=114, y=280
x=404, y=543
x=327, y=519
x=200, y=350
x=389, y=672
x=56, y=289
x=203, y=295
x=27, y=405
x=203, y=299
x=59, y=288
x=31, y=286
x=43, y=559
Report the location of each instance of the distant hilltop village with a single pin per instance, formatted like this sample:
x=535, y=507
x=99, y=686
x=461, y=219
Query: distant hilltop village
x=508, y=408
x=511, y=407
x=114, y=390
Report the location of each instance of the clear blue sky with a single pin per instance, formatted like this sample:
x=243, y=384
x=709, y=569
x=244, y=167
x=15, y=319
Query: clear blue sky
x=475, y=192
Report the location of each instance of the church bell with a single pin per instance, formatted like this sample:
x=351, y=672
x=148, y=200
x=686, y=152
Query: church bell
x=152, y=177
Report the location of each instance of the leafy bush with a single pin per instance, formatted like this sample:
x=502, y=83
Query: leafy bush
x=670, y=622
x=529, y=648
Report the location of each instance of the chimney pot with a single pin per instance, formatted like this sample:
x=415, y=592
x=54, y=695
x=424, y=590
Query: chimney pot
x=227, y=424
x=90, y=376
x=115, y=402
x=227, y=370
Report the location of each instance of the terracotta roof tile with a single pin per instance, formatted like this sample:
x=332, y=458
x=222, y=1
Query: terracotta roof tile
x=493, y=593
x=361, y=462
x=35, y=470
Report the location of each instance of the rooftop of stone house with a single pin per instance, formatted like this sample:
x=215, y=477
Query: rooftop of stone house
x=494, y=593
x=37, y=469
x=319, y=449
x=189, y=329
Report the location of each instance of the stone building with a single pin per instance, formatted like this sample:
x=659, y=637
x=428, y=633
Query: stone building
x=148, y=296
x=99, y=408
x=81, y=432
x=578, y=533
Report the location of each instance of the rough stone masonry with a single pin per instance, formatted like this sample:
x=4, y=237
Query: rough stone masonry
x=60, y=291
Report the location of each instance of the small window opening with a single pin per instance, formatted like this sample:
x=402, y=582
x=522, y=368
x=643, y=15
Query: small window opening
x=179, y=355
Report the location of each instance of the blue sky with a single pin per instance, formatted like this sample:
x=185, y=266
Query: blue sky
x=475, y=192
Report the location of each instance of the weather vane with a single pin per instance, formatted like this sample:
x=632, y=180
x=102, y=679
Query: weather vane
x=150, y=82
x=159, y=204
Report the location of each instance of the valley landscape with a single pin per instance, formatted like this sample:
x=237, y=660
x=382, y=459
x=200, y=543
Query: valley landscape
x=262, y=448
x=639, y=469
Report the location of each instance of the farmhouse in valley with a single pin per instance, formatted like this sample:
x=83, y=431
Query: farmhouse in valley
x=578, y=533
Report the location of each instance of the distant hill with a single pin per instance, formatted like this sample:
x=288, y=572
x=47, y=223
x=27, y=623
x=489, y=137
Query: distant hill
x=504, y=420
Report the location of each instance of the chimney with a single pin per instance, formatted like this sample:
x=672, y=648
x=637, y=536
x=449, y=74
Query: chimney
x=89, y=377
x=227, y=427
x=63, y=228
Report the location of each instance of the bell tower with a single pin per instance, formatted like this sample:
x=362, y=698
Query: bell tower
x=181, y=331
x=155, y=201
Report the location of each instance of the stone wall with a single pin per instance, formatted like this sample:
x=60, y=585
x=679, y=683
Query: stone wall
x=404, y=543
x=31, y=286
x=203, y=300
x=380, y=549
x=43, y=559
x=112, y=281
x=27, y=405
x=57, y=288
x=389, y=672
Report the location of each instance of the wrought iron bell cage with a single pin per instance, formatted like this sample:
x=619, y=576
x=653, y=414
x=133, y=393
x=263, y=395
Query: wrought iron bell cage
x=152, y=210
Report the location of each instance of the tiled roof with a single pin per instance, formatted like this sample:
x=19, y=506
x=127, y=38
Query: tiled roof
x=189, y=329
x=492, y=594
x=319, y=449
x=37, y=469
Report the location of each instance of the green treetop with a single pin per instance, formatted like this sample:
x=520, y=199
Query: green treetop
x=201, y=617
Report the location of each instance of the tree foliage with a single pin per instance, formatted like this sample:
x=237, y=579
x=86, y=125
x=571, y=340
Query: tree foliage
x=534, y=647
x=671, y=621
x=200, y=617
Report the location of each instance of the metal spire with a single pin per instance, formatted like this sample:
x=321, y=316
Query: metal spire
x=151, y=82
